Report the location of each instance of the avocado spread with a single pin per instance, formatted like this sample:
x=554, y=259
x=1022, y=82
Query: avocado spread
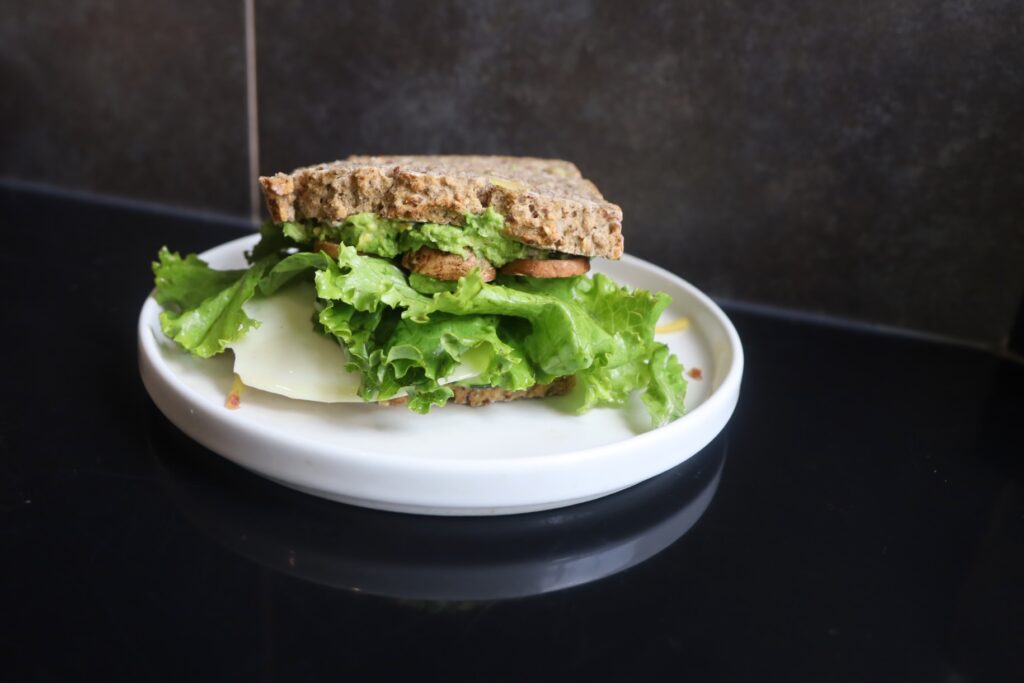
x=369, y=233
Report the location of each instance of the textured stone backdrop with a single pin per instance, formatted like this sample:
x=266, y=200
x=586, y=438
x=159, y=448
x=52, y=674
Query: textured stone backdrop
x=856, y=159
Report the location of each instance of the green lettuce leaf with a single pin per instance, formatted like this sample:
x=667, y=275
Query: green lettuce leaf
x=207, y=327
x=433, y=350
x=563, y=340
x=366, y=283
x=588, y=327
x=273, y=240
x=637, y=361
x=185, y=282
x=415, y=351
x=358, y=332
x=630, y=316
x=290, y=267
x=666, y=388
x=413, y=332
x=394, y=354
x=424, y=284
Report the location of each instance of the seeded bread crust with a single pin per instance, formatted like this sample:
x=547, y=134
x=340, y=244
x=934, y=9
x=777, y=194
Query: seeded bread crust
x=546, y=203
x=478, y=397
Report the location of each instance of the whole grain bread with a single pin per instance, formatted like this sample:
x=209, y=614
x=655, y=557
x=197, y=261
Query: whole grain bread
x=546, y=203
x=477, y=397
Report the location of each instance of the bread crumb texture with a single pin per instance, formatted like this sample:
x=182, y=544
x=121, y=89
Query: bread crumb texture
x=478, y=397
x=546, y=203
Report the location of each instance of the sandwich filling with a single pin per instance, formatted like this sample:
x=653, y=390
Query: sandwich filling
x=483, y=235
x=406, y=331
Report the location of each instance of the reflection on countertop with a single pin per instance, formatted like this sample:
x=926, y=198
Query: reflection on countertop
x=431, y=558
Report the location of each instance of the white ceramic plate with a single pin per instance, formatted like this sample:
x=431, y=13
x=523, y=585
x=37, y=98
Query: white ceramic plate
x=507, y=458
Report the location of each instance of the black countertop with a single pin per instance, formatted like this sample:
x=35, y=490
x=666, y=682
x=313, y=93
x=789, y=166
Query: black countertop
x=861, y=518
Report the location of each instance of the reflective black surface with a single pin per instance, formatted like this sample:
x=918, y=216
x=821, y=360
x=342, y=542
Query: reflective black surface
x=432, y=558
x=866, y=522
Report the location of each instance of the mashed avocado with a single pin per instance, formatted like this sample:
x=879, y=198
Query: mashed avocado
x=370, y=234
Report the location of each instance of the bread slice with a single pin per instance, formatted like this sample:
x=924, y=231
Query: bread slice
x=546, y=203
x=477, y=397
x=484, y=396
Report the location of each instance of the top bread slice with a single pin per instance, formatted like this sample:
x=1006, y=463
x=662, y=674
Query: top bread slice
x=546, y=203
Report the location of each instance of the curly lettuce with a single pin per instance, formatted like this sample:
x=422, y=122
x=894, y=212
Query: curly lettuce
x=409, y=332
x=203, y=307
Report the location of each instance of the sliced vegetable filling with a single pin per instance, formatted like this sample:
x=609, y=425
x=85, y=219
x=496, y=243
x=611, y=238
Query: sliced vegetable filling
x=407, y=332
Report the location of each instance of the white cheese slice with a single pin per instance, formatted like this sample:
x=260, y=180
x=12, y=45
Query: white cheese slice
x=286, y=356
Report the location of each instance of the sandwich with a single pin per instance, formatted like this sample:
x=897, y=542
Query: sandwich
x=427, y=280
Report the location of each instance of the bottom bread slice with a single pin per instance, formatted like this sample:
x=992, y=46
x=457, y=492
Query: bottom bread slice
x=478, y=397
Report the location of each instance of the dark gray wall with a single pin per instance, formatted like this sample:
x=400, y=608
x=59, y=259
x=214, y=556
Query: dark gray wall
x=141, y=99
x=859, y=159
